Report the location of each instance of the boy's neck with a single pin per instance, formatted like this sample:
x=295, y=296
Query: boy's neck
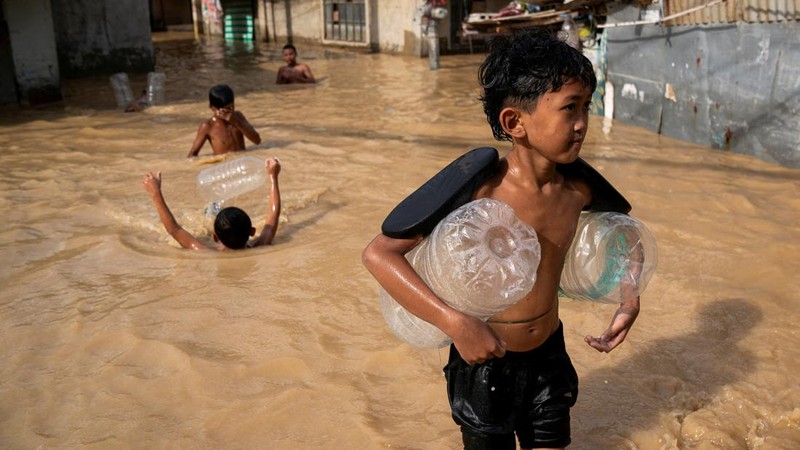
x=529, y=167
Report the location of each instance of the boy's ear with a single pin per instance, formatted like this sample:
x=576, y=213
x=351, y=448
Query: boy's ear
x=252, y=231
x=216, y=239
x=511, y=121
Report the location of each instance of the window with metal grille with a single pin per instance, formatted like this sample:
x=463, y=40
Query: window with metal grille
x=345, y=20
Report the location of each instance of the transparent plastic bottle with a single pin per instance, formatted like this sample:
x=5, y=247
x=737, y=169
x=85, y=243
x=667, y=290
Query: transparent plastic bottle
x=611, y=259
x=231, y=178
x=480, y=260
x=570, y=30
x=155, y=88
x=122, y=89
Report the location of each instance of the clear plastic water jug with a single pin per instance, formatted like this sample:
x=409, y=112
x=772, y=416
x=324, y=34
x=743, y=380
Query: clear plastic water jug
x=155, y=88
x=480, y=260
x=611, y=259
x=569, y=29
x=122, y=89
x=231, y=178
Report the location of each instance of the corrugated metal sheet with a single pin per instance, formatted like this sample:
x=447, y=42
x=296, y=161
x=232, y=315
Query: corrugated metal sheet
x=752, y=11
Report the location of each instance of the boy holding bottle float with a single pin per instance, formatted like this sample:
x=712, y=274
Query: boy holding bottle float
x=227, y=128
x=512, y=375
x=232, y=226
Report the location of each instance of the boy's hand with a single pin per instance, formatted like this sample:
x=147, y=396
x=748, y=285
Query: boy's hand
x=620, y=325
x=152, y=183
x=224, y=113
x=476, y=342
x=273, y=166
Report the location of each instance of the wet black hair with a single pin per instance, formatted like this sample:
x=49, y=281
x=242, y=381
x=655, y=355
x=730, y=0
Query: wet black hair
x=520, y=68
x=233, y=227
x=291, y=47
x=220, y=96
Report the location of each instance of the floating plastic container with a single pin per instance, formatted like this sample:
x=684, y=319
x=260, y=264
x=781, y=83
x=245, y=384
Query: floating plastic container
x=480, y=260
x=156, y=82
x=122, y=89
x=612, y=258
x=231, y=178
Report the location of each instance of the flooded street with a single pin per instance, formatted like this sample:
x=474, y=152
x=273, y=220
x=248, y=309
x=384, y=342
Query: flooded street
x=111, y=336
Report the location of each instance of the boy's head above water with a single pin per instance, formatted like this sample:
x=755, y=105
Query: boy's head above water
x=520, y=69
x=220, y=96
x=233, y=228
x=289, y=53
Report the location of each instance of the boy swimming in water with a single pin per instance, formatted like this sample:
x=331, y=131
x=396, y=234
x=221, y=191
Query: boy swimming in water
x=293, y=72
x=232, y=226
x=512, y=375
x=227, y=128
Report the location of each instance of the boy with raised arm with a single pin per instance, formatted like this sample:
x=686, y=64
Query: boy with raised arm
x=227, y=128
x=512, y=375
x=232, y=226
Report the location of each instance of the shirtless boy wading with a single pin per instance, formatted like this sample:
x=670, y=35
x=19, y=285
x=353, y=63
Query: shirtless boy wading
x=511, y=377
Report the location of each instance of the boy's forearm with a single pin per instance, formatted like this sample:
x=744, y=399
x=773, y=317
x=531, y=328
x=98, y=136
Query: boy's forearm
x=240, y=122
x=385, y=259
x=275, y=200
x=164, y=213
x=271, y=221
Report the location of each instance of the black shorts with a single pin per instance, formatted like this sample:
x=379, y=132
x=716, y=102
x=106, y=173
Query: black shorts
x=527, y=393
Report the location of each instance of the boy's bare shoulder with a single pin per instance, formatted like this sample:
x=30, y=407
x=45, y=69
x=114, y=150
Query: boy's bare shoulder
x=206, y=124
x=578, y=182
x=215, y=123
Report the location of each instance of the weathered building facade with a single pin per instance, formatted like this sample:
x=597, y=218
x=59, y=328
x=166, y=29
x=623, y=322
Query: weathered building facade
x=721, y=73
x=45, y=40
x=386, y=26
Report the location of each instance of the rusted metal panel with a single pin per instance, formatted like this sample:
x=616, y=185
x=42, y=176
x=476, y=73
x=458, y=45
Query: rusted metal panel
x=730, y=11
x=735, y=87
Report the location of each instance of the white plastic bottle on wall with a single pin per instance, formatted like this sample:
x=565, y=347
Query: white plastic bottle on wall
x=570, y=29
x=122, y=89
x=231, y=178
x=155, y=88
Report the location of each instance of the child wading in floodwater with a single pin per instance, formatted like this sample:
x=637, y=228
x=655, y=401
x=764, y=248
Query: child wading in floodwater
x=227, y=128
x=511, y=377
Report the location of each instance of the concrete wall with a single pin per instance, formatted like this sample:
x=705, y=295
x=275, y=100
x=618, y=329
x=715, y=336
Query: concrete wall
x=399, y=30
x=734, y=87
x=102, y=36
x=300, y=20
x=8, y=77
x=393, y=25
x=33, y=53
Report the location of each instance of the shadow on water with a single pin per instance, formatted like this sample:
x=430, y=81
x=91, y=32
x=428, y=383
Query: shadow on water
x=679, y=376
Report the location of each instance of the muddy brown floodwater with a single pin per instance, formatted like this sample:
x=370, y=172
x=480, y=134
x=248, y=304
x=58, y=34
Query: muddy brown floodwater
x=113, y=337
